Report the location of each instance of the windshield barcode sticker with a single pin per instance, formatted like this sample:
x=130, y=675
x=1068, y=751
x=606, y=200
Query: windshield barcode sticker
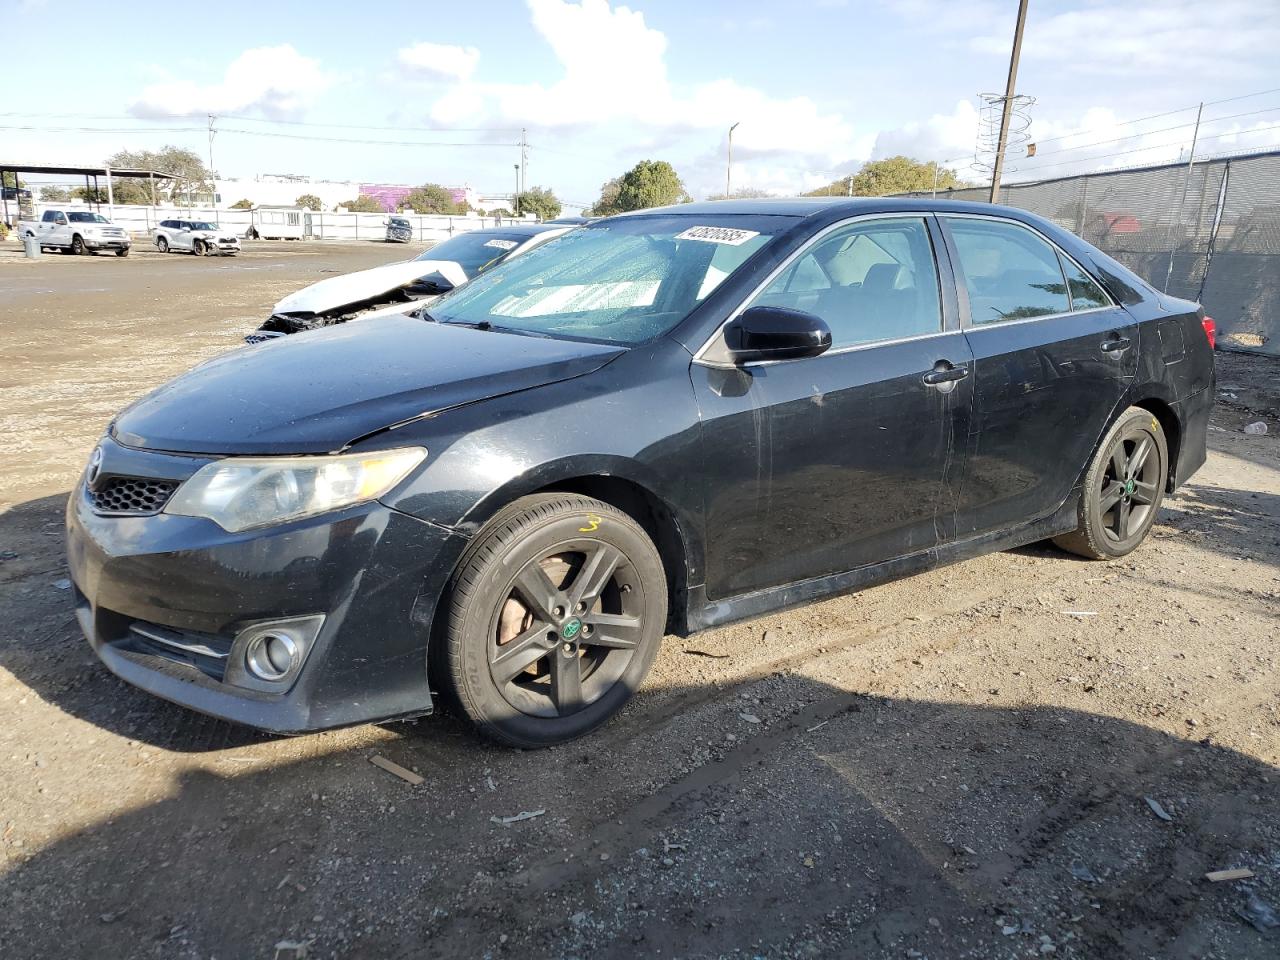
x=729, y=235
x=501, y=244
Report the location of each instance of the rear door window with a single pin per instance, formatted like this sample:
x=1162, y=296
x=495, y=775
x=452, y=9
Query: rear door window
x=1010, y=272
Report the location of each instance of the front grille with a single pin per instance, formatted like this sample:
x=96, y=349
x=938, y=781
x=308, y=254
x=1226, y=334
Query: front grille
x=132, y=496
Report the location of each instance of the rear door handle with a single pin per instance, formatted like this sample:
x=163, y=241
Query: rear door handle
x=1117, y=344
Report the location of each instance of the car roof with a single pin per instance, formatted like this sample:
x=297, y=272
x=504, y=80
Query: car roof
x=812, y=206
x=521, y=229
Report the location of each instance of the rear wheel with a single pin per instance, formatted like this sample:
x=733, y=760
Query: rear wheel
x=1123, y=489
x=162, y=244
x=122, y=252
x=555, y=616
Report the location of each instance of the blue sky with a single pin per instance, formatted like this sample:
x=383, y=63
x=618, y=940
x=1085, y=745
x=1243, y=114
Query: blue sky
x=818, y=86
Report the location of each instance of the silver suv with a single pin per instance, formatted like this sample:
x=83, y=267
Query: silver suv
x=199, y=236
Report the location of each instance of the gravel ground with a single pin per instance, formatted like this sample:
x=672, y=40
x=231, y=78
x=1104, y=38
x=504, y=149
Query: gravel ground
x=1025, y=755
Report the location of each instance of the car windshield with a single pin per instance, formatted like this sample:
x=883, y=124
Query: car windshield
x=397, y=222
x=475, y=251
x=619, y=281
x=87, y=218
x=204, y=225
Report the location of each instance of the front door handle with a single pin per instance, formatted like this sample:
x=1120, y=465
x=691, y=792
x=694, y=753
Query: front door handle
x=944, y=375
x=1117, y=344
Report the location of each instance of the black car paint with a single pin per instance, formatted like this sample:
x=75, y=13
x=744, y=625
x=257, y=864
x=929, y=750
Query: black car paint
x=765, y=486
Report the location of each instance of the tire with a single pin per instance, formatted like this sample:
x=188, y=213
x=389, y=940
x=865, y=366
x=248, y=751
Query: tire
x=77, y=246
x=122, y=252
x=1123, y=489
x=162, y=244
x=539, y=645
x=197, y=248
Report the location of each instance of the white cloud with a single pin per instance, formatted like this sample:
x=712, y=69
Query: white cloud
x=942, y=137
x=439, y=61
x=1136, y=37
x=635, y=89
x=274, y=81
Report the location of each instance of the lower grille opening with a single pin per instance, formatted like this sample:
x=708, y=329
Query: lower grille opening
x=206, y=653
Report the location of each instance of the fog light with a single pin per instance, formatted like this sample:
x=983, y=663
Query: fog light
x=271, y=656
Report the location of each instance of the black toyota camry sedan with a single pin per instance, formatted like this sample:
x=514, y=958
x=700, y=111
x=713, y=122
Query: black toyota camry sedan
x=654, y=424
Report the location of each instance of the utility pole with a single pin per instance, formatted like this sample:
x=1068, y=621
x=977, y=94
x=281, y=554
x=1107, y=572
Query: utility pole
x=524, y=160
x=515, y=201
x=851, y=184
x=1009, y=91
x=935, y=179
x=1186, y=182
x=213, y=181
x=728, y=168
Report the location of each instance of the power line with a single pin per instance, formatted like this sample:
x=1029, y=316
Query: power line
x=1149, y=133
x=1154, y=146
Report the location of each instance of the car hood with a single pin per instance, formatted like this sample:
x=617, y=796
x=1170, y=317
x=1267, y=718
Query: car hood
x=320, y=392
x=350, y=288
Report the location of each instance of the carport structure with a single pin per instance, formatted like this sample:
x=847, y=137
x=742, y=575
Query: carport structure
x=94, y=173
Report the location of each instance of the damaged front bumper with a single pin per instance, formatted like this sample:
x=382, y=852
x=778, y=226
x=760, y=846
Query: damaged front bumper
x=178, y=607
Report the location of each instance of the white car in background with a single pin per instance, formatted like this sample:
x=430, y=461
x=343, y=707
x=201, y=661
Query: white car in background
x=401, y=287
x=198, y=236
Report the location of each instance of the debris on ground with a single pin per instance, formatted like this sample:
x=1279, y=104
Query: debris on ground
x=706, y=653
x=1158, y=810
x=1080, y=870
x=1081, y=613
x=749, y=717
x=1259, y=913
x=292, y=949
x=523, y=815
x=63, y=584
x=392, y=767
x=1256, y=429
x=1219, y=876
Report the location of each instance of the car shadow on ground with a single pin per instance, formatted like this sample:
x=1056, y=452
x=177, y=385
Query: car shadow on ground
x=841, y=824
x=830, y=822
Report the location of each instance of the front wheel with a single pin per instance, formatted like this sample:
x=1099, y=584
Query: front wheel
x=122, y=252
x=77, y=246
x=555, y=616
x=1122, y=490
x=162, y=244
x=197, y=248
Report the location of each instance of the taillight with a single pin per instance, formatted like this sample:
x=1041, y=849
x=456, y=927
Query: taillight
x=1210, y=330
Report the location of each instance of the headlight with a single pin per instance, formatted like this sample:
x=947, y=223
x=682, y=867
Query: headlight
x=243, y=492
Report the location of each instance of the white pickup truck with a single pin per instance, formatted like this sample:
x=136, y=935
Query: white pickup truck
x=77, y=231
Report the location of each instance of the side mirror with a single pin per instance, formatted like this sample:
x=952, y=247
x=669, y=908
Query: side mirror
x=61, y=221
x=776, y=333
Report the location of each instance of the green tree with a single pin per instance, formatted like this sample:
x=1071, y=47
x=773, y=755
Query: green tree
x=607, y=205
x=364, y=204
x=433, y=198
x=502, y=212
x=55, y=194
x=883, y=178
x=650, y=183
x=539, y=201
x=10, y=179
x=245, y=204
x=309, y=201
x=193, y=182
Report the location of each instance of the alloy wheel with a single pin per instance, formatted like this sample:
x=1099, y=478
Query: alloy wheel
x=1130, y=485
x=568, y=627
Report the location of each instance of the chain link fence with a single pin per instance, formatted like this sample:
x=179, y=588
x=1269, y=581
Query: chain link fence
x=1213, y=236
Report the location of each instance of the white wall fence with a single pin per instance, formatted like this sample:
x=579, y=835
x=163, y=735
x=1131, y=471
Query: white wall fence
x=139, y=220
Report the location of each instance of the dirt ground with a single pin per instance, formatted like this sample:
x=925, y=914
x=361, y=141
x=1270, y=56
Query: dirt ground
x=1023, y=755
